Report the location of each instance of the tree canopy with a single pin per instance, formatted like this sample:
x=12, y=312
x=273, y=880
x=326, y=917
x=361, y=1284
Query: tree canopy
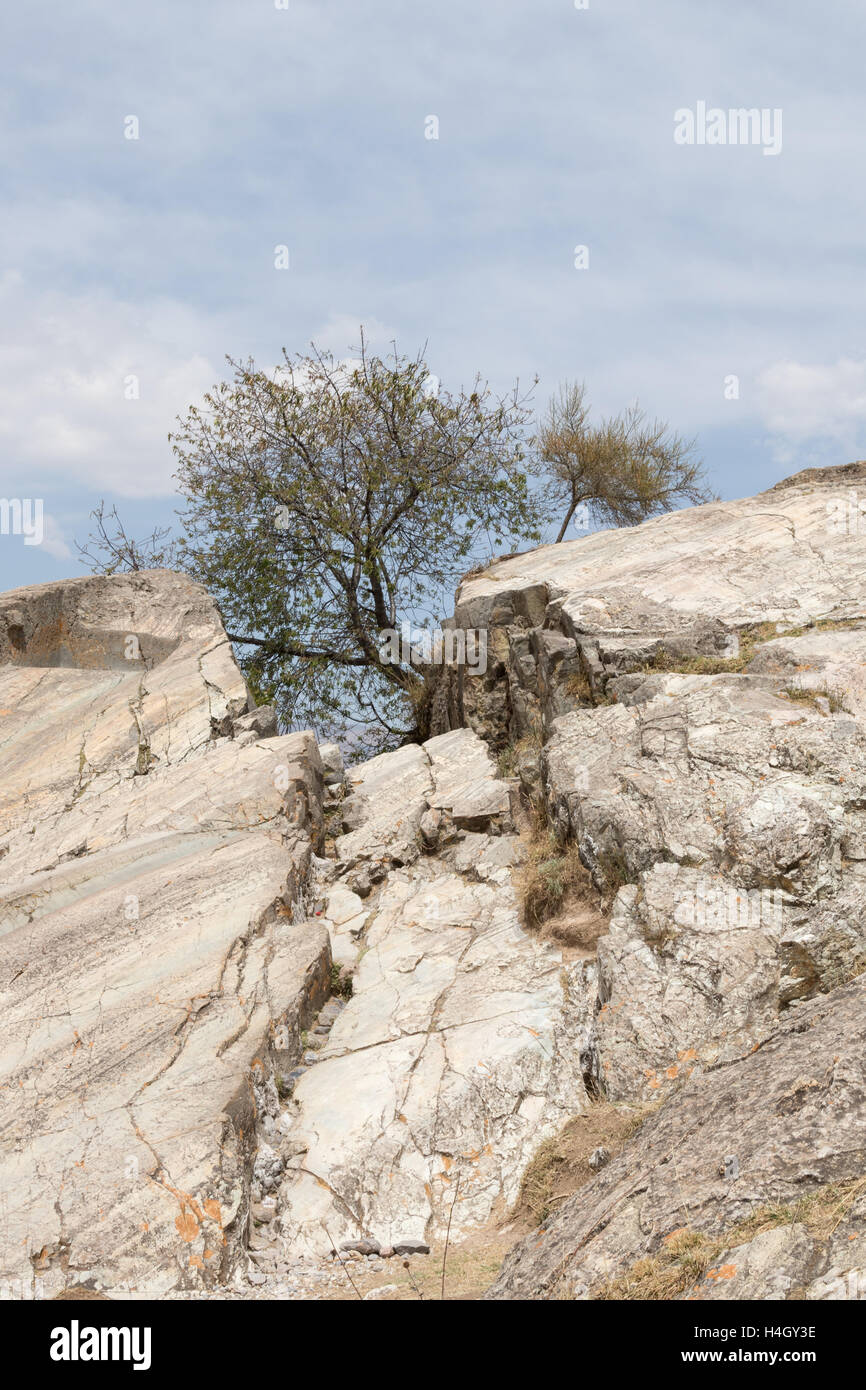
x=329, y=501
x=621, y=470
x=329, y=504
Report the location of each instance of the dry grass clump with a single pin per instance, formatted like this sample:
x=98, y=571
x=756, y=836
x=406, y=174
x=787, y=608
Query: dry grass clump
x=554, y=876
x=578, y=687
x=810, y=695
x=685, y=1255
x=560, y=1166
x=509, y=759
x=750, y=638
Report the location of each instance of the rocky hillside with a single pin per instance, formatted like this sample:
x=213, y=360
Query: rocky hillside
x=260, y=1009
x=152, y=845
x=688, y=700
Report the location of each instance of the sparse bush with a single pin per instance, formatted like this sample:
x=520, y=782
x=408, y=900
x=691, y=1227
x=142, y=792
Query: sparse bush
x=553, y=874
x=685, y=1255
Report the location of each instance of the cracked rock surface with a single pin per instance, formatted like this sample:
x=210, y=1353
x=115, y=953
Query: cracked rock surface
x=459, y=1049
x=791, y=1113
x=151, y=973
x=694, y=688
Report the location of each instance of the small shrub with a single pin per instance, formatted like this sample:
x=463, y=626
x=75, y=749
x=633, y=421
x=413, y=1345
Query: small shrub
x=553, y=874
x=341, y=981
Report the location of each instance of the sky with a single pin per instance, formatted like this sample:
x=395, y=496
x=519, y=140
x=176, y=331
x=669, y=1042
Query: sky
x=431, y=170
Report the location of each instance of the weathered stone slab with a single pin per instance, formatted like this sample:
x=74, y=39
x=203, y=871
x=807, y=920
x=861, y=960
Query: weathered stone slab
x=460, y=1048
x=149, y=965
x=792, y=1114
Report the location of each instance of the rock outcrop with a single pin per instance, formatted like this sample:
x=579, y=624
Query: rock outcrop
x=693, y=690
x=152, y=977
x=568, y=619
x=752, y=1143
x=687, y=700
x=257, y=1004
x=459, y=1049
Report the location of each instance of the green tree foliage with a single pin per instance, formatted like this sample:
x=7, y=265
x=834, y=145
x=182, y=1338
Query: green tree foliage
x=329, y=501
x=622, y=470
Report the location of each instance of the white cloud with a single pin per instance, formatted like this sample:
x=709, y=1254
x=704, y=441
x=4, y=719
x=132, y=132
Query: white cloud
x=90, y=386
x=800, y=401
x=53, y=541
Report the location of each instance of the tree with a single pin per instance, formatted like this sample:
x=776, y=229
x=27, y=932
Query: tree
x=623, y=470
x=110, y=549
x=327, y=503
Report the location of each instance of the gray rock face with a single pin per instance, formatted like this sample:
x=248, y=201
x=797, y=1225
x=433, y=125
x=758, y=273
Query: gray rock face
x=571, y=617
x=459, y=1050
x=725, y=821
x=792, y=1114
x=153, y=980
x=698, y=684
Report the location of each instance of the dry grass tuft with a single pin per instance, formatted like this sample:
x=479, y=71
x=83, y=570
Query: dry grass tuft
x=553, y=877
x=835, y=698
x=560, y=1166
x=685, y=1255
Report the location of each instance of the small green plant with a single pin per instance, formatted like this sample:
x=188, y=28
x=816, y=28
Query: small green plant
x=809, y=696
x=506, y=763
x=554, y=873
x=341, y=981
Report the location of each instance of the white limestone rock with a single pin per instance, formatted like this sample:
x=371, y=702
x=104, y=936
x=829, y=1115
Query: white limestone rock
x=152, y=979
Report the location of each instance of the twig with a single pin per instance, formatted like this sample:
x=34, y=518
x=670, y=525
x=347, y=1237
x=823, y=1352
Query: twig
x=407, y=1267
x=343, y=1266
x=448, y=1235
